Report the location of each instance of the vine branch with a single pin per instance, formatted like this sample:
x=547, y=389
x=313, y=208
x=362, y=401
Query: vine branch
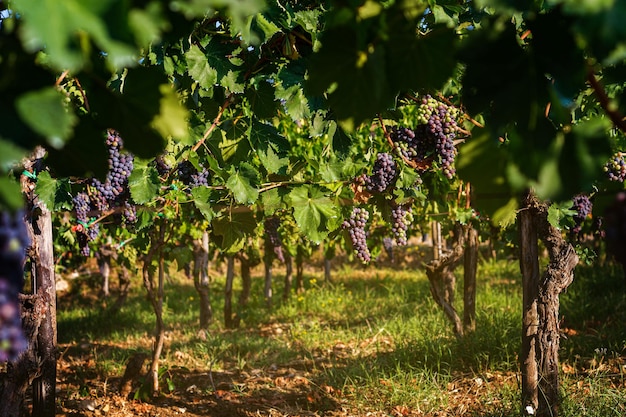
x=605, y=102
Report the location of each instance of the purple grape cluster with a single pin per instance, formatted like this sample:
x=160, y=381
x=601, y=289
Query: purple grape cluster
x=582, y=205
x=355, y=226
x=415, y=145
x=113, y=193
x=13, y=243
x=384, y=174
x=161, y=166
x=433, y=137
x=615, y=168
x=189, y=175
x=85, y=232
x=401, y=217
x=273, y=238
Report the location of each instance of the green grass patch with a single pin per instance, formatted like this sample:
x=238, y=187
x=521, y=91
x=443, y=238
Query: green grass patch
x=376, y=336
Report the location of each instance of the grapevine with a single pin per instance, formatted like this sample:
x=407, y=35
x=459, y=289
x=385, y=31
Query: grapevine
x=615, y=168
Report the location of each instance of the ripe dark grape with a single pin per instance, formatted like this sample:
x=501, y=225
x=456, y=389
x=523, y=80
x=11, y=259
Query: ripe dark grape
x=401, y=217
x=130, y=213
x=273, y=238
x=200, y=179
x=615, y=168
x=13, y=243
x=583, y=206
x=161, y=166
x=383, y=175
x=432, y=139
x=185, y=171
x=355, y=226
x=82, y=207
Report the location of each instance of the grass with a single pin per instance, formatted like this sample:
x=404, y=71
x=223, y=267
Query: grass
x=376, y=337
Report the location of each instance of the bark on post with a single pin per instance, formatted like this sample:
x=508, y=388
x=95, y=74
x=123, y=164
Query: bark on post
x=469, y=279
x=201, y=279
x=39, y=363
x=540, y=337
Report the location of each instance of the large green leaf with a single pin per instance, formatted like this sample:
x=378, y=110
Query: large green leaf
x=313, y=211
x=45, y=112
x=204, y=201
x=199, y=68
x=270, y=146
x=243, y=184
x=420, y=63
x=234, y=229
x=54, y=25
x=143, y=183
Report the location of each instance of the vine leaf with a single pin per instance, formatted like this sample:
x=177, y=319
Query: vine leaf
x=55, y=194
x=313, y=211
x=242, y=183
x=202, y=199
x=143, y=183
x=53, y=25
x=270, y=145
x=234, y=230
x=46, y=114
x=199, y=69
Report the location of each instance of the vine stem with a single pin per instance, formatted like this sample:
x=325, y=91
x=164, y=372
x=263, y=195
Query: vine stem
x=213, y=125
x=410, y=163
x=605, y=102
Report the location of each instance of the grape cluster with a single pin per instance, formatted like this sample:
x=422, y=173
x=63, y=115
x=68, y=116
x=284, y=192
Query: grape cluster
x=161, y=166
x=432, y=139
x=13, y=243
x=355, y=226
x=383, y=175
x=190, y=176
x=85, y=232
x=113, y=193
x=582, y=205
x=273, y=238
x=401, y=217
x=616, y=168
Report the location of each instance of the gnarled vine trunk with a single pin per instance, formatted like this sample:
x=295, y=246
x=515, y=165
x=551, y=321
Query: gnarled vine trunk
x=155, y=295
x=540, y=319
x=440, y=273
